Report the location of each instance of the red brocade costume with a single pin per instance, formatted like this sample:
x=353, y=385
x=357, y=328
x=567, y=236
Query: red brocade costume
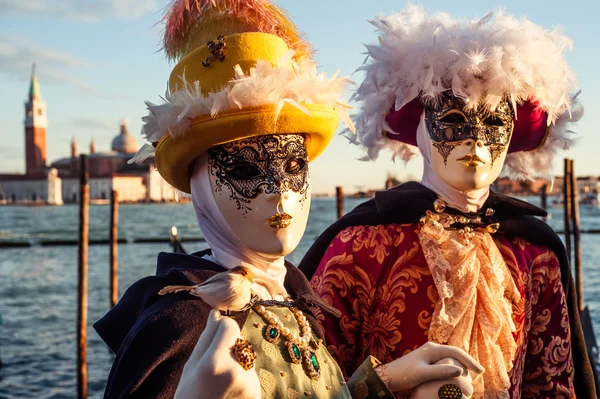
x=378, y=278
x=376, y=274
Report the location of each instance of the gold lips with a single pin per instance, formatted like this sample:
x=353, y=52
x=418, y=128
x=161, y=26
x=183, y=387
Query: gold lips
x=471, y=160
x=280, y=221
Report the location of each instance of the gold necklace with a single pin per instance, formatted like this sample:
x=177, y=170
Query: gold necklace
x=301, y=348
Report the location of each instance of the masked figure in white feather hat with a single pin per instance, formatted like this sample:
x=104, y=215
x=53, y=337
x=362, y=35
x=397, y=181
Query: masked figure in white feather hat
x=448, y=260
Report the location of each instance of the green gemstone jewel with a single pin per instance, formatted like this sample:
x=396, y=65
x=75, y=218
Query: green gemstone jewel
x=315, y=363
x=311, y=364
x=296, y=350
x=272, y=334
x=314, y=342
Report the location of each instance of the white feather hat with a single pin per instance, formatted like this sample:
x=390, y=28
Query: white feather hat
x=421, y=56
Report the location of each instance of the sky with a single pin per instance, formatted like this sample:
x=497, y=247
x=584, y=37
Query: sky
x=99, y=60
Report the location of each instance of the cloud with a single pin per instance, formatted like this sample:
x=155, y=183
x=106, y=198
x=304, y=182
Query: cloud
x=95, y=123
x=79, y=10
x=17, y=54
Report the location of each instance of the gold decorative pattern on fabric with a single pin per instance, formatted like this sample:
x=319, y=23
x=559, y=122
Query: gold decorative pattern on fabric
x=476, y=297
x=297, y=369
x=269, y=349
x=376, y=239
x=319, y=389
x=292, y=394
x=267, y=381
x=556, y=358
x=365, y=382
x=361, y=390
x=380, y=328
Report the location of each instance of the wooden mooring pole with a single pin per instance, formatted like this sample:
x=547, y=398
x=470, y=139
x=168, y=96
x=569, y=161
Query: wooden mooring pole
x=339, y=194
x=576, y=237
x=114, y=245
x=82, y=308
x=567, y=206
x=544, y=197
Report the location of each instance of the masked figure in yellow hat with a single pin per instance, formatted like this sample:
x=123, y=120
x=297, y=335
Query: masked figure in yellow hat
x=244, y=114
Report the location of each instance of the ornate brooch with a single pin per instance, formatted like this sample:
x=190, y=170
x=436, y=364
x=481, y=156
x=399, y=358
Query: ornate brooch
x=216, y=51
x=244, y=353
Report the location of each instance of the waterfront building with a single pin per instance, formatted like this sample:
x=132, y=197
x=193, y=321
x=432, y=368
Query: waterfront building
x=58, y=183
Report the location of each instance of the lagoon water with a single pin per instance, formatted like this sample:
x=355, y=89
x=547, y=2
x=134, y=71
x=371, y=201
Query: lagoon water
x=38, y=285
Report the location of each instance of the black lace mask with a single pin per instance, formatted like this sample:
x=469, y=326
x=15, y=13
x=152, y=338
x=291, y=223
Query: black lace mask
x=269, y=164
x=450, y=123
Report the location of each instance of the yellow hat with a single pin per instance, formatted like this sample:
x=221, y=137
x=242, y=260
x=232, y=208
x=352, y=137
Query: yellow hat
x=243, y=70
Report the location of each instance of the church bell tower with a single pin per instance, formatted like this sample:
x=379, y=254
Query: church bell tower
x=35, y=128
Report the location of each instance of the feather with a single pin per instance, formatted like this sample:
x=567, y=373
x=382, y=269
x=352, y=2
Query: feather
x=147, y=151
x=421, y=55
x=278, y=109
x=486, y=18
x=173, y=289
x=344, y=117
x=183, y=113
x=191, y=23
x=290, y=82
x=297, y=105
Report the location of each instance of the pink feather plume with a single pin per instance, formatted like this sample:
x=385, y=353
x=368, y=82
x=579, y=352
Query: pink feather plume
x=182, y=16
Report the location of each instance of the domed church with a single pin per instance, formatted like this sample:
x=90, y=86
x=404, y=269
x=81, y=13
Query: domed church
x=124, y=143
x=59, y=183
x=110, y=171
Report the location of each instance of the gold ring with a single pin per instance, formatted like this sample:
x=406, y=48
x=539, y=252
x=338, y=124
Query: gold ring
x=244, y=353
x=450, y=391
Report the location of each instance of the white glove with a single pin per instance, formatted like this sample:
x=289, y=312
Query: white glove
x=405, y=373
x=429, y=389
x=212, y=371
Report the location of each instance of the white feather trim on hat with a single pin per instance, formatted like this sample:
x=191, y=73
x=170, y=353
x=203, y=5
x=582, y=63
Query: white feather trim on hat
x=421, y=55
x=288, y=82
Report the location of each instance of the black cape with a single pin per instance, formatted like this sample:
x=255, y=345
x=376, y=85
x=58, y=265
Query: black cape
x=408, y=202
x=153, y=336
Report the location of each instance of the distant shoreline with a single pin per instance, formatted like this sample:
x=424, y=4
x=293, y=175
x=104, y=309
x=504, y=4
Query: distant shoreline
x=187, y=200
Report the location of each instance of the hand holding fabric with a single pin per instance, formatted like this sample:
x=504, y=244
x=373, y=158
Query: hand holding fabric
x=419, y=366
x=429, y=389
x=212, y=371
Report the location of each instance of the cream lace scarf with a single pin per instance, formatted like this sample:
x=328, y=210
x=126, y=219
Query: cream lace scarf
x=476, y=295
